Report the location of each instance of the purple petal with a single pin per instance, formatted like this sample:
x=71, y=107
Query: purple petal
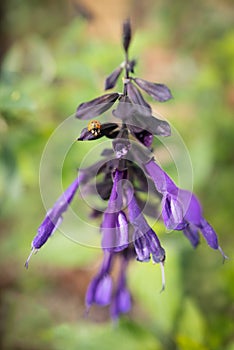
x=112, y=79
x=122, y=303
x=103, y=291
x=54, y=215
x=191, y=207
x=181, y=209
x=99, y=105
x=116, y=197
x=191, y=232
x=157, y=251
x=162, y=181
x=145, y=239
x=135, y=214
x=141, y=247
x=122, y=299
x=109, y=231
x=159, y=92
x=172, y=213
x=145, y=137
x=209, y=234
x=99, y=291
x=121, y=232
x=110, y=217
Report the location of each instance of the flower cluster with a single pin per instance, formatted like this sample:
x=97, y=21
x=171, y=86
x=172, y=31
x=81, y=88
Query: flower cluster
x=128, y=171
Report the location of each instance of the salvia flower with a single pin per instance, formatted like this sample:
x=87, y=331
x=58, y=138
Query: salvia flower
x=124, y=177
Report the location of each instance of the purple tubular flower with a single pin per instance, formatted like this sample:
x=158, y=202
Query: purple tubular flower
x=115, y=226
x=191, y=232
x=121, y=232
x=100, y=288
x=144, y=137
x=146, y=241
x=141, y=247
x=54, y=217
x=181, y=210
x=121, y=302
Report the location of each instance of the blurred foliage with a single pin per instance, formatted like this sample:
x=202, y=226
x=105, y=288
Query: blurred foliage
x=52, y=59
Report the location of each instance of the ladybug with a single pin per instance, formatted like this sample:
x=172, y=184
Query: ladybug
x=94, y=127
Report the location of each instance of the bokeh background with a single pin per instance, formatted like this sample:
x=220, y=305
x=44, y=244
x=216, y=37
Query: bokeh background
x=55, y=55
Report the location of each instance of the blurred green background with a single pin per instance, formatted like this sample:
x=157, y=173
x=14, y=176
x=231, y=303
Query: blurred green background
x=55, y=55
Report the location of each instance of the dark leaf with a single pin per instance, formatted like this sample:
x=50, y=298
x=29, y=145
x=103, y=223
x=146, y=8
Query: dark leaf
x=157, y=126
x=124, y=108
x=139, y=153
x=148, y=208
x=111, y=80
x=151, y=124
x=110, y=130
x=127, y=33
x=86, y=135
x=99, y=105
x=131, y=65
x=137, y=98
x=104, y=188
x=159, y=92
x=106, y=129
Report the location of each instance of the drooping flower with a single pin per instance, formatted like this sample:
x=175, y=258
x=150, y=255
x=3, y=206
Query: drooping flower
x=100, y=288
x=122, y=300
x=123, y=178
x=53, y=217
x=145, y=240
x=181, y=209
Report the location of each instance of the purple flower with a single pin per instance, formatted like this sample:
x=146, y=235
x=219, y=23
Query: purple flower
x=146, y=242
x=122, y=301
x=181, y=210
x=115, y=225
x=100, y=288
x=54, y=217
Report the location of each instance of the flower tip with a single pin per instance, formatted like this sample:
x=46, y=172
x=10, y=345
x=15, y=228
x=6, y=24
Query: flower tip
x=163, y=277
x=225, y=257
x=86, y=312
x=33, y=250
